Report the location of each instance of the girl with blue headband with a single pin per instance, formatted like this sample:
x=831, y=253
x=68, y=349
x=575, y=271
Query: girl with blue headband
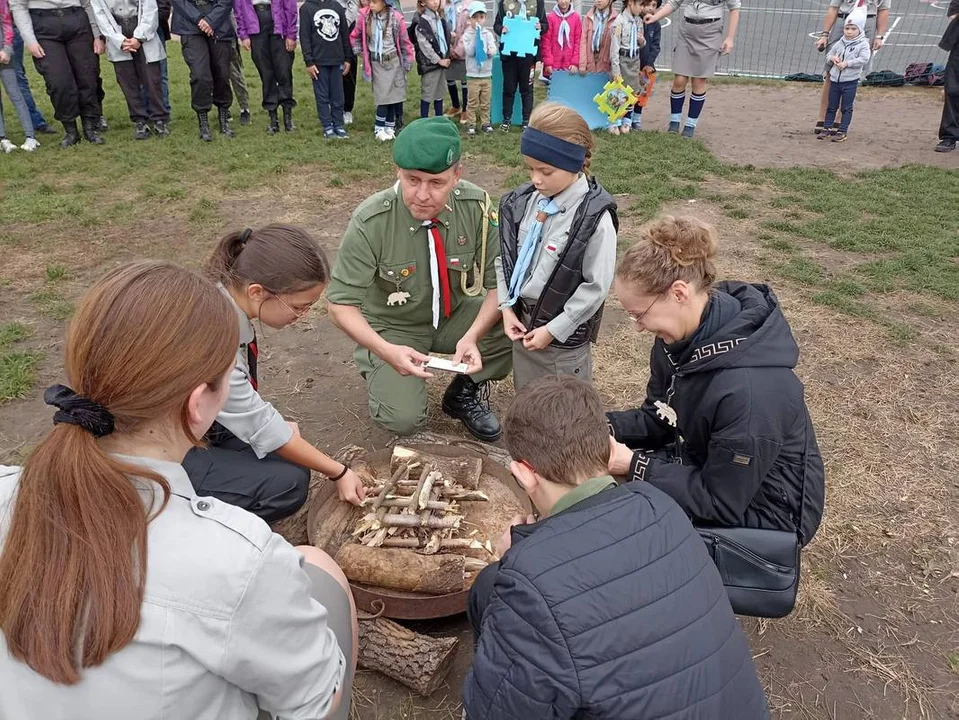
x=558, y=250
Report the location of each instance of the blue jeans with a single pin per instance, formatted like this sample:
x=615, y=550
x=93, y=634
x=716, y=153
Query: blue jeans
x=164, y=85
x=841, y=94
x=328, y=92
x=17, y=64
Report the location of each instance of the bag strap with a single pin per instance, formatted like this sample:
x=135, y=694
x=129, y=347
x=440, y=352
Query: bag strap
x=802, y=485
x=480, y=270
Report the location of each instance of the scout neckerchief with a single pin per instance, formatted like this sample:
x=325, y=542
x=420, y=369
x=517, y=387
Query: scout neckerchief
x=633, y=45
x=481, y=55
x=544, y=209
x=438, y=31
x=379, y=28
x=599, y=26
x=252, y=353
x=564, y=25
x=451, y=16
x=439, y=273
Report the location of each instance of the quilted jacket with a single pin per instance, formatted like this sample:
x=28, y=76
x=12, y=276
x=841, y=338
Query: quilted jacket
x=611, y=610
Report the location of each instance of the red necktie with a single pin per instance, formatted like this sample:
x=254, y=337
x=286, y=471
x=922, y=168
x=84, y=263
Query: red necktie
x=442, y=270
x=252, y=353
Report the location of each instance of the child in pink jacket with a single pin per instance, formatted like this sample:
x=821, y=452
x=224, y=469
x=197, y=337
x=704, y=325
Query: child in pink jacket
x=561, y=42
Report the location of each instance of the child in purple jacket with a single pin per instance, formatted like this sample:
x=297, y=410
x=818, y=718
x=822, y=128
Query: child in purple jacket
x=269, y=31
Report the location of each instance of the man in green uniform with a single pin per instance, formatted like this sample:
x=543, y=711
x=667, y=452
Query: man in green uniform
x=411, y=278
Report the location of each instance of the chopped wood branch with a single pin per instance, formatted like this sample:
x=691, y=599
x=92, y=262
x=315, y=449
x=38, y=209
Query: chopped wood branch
x=445, y=543
x=412, y=521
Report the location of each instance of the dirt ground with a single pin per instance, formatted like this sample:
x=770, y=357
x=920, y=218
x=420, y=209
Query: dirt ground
x=878, y=615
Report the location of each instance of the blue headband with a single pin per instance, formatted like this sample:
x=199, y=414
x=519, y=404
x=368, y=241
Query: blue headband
x=552, y=150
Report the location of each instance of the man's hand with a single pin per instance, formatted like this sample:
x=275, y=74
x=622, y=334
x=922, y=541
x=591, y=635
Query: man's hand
x=205, y=27
x=821, y=42
x=877, y=44
x=36, y=50
x=515, y=330
x=130, y=45
x=246, y=44
x=407, y=361
x=620, y=457
x=313, y=72
x=350, y=488
x=727, y=46
x=505, y=541
x=99, y=47
x=290, y=44
x=467, y=351
x=537, y=339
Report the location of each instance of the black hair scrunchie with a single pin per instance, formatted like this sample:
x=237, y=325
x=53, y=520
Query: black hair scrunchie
x=76, y=410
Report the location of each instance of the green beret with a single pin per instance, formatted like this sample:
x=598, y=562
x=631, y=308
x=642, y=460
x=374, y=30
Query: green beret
x=429, y=144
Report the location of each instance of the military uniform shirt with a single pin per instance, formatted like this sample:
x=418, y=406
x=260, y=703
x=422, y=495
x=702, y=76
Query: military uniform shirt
x=383, y=264
x=872, y=6
x=705, y=9
x=227, y=624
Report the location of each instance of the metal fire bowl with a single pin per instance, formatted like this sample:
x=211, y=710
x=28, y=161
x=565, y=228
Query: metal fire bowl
x=396, y=603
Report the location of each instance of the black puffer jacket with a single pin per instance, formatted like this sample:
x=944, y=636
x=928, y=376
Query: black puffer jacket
x=611, y=610
x=744, y=444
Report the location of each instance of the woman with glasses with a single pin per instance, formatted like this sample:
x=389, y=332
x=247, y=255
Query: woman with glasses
x=255, y=459
x=724, y=429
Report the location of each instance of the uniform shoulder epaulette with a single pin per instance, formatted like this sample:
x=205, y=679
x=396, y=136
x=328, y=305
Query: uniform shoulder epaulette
x=466, y=190
x=376, y=204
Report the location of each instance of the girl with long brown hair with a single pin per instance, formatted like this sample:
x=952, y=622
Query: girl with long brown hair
x=256, y=459
x=122, y=593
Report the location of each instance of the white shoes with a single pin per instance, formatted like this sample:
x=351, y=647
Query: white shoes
x=390, y=133
x=347, y=118
x=7, y=146
x=30, y=145
x=384, y=134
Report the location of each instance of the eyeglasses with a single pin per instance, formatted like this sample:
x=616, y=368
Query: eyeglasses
x=639, y=318
x=296, y=313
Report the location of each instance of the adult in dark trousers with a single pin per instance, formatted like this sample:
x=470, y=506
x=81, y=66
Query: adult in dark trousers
x=40, y=124
x=949, y=127
x=268, y=30
x=63, y=38
x=517, y=69
x=207, y=36
x=877, y=24
x=164, y=9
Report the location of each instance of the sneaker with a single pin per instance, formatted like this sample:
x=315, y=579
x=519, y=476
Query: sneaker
x=104, y=125
x=614, y=129
x=161, y=128
x=464, y=118
x=673, y=128
x=347, y=118
x=141, y=131
x=824, y=134
x=452, y=112
x=328, y=134
x=820, y=127
x=637, y=126
x=487, y=129
x=946, y=146
x=505, y=127
x=688, y=131
x=245, y=117
x=46, y=129
x=625, y=128
x=30, y=145
x=839, y=136
x=524, y=126
x=7, y=146
x=380, y=134
x=390, y=133
x=341, y=134
x=471, y=131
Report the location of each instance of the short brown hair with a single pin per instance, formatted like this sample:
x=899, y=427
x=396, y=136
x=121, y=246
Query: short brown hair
x=557, y=425
x=283, y=259
x=566, y=124
x=668, y=250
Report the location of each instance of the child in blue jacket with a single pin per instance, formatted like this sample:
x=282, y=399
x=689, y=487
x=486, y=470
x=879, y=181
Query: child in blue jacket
x=648, y=55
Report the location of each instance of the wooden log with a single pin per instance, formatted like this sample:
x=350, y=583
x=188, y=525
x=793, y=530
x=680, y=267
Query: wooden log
x=462, y=470
x=402, y=570
x=419, y=662
x=412, y=521
x=445, y=543
x=333, y=527
x=403, y=502
x=401, y=473
x=450, y=493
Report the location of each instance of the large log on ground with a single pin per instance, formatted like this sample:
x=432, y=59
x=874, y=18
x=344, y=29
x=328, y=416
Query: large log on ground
x=402, y=569
x=418, y=661
x=461, y=470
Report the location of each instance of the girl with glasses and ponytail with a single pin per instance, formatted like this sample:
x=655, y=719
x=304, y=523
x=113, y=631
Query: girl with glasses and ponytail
x=255, y=458
x=124, y=593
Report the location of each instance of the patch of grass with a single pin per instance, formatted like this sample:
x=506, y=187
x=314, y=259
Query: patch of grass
x=737, y=212
x=55, y=273
x=952, y=661
x=844, y=304
x=13, y=332
x=846, y=287
x=50, y=302
x=18, y=372
x=781, y=244
x=802, y=270
x=336, y=181
x=925, y=309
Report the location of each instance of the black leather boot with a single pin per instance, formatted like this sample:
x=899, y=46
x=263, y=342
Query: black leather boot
x=90, y=127
x=273, y=127
x=71, y=135
x=225, y=122
x=205, y=134
x=468, y=402
x=288, y=119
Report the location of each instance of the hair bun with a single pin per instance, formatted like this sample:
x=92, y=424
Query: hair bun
x=687, y=240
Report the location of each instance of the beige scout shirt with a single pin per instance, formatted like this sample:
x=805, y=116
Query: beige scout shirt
x=227, y=624
x=245, y=414
x=599, y=262
x=705, y=9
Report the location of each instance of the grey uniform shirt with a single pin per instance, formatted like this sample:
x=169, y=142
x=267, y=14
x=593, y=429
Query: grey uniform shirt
x=227, y=625
x=245, y=414
x=872, y=6
x=599, y=262
x=21, y=14
x=704, y=9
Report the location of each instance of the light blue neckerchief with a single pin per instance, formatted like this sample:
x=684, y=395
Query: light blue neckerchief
x=633, y=36
x=437, y=24
x=545, y=208
x=480, y=49
x=522, y=11
x=599, y=26
x=379, y=28
x=451, y=16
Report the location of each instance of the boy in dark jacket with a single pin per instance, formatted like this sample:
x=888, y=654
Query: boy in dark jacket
x=648, y=54
x=608, y=607
x=432, y=42
x=325, y=39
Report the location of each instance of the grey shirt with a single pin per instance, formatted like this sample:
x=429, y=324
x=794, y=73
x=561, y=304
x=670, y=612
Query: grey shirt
x=227, y=625
x=704, y=9
x=872, y=6
x=245, y=414
x=21, y=14
x=599, y=262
